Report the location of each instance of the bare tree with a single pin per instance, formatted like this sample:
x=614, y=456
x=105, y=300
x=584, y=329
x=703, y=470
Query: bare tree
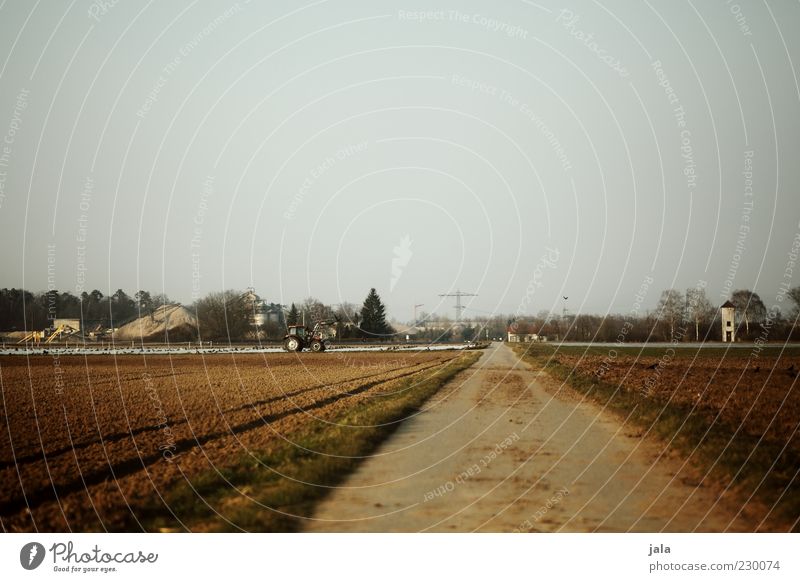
x=671, y=309
x=222, y=315
x=348, y=313
x=751, y=307
x=698, y=308
x=161, y=299
x=314, y=310
x=349, y=316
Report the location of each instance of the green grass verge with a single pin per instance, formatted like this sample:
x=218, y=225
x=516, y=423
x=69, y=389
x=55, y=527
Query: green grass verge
x=739, y=459
x=275, y=478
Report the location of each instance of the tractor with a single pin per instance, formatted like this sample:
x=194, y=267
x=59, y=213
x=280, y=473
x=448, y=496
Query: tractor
x=300, y=337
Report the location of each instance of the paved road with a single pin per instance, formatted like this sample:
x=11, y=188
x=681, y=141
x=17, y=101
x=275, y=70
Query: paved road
x=504, y=448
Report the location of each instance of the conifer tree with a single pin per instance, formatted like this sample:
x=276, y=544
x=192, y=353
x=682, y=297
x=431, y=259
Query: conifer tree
x=291, y=319
x=373, y=315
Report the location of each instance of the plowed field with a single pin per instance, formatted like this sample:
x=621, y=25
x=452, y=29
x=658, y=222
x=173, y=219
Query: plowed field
x=87, y=440
x=759, y=396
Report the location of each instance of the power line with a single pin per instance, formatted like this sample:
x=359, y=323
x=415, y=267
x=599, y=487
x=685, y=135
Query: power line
x=415, y=312
x=458, y=295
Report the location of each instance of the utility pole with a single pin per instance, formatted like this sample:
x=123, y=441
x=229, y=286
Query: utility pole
x=415, y=312
x=564, y=318
x=458, y=295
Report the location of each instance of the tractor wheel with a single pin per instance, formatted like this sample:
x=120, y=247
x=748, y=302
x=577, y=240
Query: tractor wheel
x=293, y=344
x=317, y=346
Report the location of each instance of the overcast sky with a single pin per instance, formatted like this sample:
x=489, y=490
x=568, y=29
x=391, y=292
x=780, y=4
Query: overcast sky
x=519, y=150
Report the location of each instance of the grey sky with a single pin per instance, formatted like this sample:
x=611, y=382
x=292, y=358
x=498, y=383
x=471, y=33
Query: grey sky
x=298, y=146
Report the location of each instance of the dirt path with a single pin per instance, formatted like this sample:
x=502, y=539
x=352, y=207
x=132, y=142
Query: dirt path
x=508, y=450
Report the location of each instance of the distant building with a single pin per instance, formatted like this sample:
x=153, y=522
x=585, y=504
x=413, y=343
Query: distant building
x=449, y=324
x=523, y=332
x=405, y=330
x=728, y=317
x=261, y=312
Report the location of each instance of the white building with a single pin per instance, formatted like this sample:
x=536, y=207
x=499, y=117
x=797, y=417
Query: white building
x=728, y=317
x=523, y=332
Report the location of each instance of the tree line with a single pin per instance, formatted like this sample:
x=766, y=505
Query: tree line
x=225, y=315
x=23, y=310
x=679, y=316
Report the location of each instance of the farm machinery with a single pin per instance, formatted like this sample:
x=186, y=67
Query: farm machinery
x=316, y=339
x=54, y=333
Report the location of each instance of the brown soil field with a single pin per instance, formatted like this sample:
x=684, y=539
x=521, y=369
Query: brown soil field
x=759, y=396
x=88, y=440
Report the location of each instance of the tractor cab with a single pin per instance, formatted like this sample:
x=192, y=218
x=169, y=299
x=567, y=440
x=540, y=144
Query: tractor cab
x=297, y=330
